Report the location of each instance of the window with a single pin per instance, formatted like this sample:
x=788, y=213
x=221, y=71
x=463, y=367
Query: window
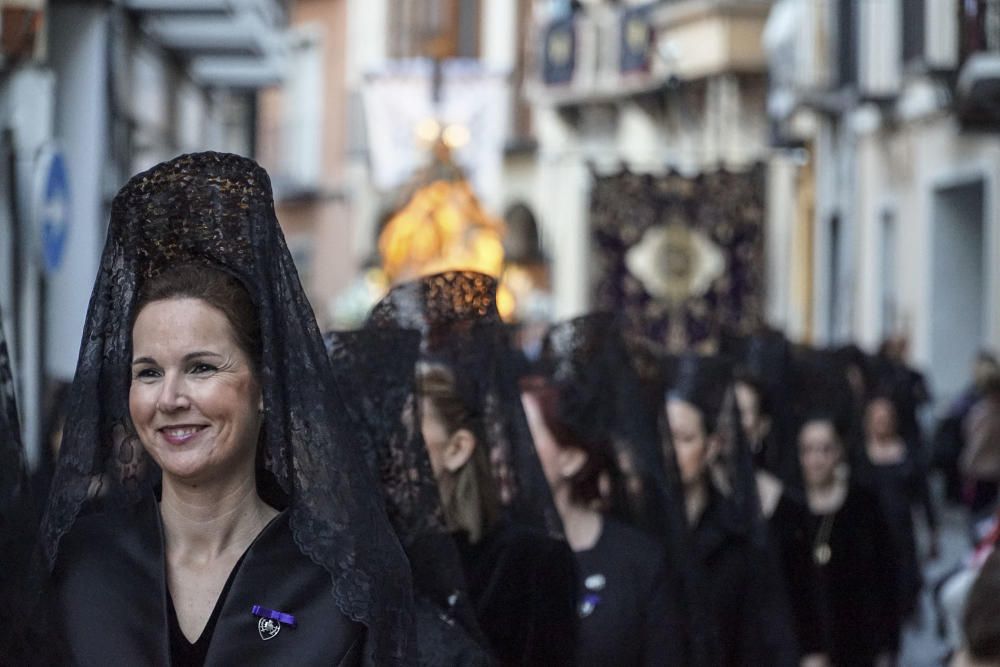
x=887, y=267
x=979, y=26
x=847, y=42
x=434, y=28
x=913, y=27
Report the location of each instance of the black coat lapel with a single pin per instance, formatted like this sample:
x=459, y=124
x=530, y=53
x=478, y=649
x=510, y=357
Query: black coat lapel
x=111, y=589
x=277, y=576
x=110, y=583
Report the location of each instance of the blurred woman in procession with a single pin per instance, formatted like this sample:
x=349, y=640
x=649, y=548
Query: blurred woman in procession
x=853, y=552
x=605, y=472
x=743, y=587
x=889, y=467
x=519, y=571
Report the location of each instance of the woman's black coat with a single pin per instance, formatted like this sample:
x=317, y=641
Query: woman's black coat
x=111, y=598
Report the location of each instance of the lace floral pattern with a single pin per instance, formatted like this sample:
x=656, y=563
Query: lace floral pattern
x=375, y=370
x=218, y=209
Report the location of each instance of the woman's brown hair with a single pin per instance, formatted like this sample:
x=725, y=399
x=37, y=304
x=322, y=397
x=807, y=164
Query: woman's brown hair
x=468, y=496
x=218, y=289
x=588, y=484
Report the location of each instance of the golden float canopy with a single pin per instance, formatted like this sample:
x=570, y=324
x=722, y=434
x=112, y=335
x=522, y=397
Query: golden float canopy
x=443, y=227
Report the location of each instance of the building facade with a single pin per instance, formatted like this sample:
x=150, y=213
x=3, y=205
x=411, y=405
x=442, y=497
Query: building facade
x=888, y=214
x=105, y=90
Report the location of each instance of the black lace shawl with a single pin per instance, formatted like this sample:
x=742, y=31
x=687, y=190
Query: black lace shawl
x=218, y=209
x=461, y=328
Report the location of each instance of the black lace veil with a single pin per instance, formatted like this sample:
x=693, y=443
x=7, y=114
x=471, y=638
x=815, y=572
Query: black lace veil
x=613, y=388
x=218, y=209
x=706, y=382
x=461, y=328
x=766, y=362
x=599, y=396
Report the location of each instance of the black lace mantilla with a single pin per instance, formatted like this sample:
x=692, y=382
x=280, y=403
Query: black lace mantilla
x=376, y=369
x=218, y=209
x=600, y=398
x=456, y=314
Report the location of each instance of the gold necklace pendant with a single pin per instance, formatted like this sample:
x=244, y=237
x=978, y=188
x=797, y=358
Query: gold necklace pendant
x=822, y=554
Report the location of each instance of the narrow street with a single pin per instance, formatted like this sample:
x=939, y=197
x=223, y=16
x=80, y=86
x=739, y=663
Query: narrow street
x=922, y=644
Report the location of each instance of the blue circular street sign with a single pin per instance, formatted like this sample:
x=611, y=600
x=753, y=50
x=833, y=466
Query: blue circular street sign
x=54, y=210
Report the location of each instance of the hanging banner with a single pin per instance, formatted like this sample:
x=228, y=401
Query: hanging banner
x=559, y=52
x=635, y=39
x=680, y=258
x=396, y=100
x=471, y=111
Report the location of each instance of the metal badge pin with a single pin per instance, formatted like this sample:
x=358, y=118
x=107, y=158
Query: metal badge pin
x=268, y=628
x=595, y=582
x=589, y=604
x=270, y=621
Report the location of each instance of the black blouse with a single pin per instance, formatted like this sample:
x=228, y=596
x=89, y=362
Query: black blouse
x=112, y=605
x=901, y=486
x=627, y=616
x=522, y=584
x=182, y=652
x=790, y=528
x=744, y=595
x=857, y=592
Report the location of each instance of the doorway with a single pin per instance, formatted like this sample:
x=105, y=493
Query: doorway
x=957, y=285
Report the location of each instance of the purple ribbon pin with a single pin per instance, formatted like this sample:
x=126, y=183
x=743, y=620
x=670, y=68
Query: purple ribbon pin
x=279, y=616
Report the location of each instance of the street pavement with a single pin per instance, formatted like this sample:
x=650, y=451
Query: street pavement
x=922, y=645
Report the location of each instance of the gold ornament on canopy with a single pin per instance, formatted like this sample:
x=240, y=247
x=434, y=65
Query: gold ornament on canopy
x=443, y=227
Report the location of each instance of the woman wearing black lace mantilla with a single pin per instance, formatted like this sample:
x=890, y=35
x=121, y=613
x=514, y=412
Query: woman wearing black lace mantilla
x=210, y=506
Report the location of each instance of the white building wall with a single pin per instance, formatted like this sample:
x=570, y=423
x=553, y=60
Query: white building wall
x=901, y=170
x=26, y=108
x=367, y=48
x=564, y=191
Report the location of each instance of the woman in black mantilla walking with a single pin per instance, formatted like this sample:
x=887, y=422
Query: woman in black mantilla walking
x=229, y=527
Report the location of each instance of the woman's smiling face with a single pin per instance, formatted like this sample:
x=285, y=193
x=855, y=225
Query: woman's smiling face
x=194, y=398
